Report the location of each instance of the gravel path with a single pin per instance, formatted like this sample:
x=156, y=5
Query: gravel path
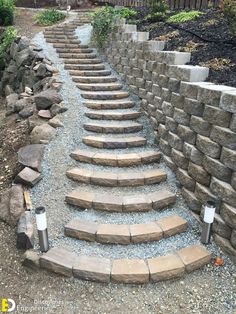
x=51, y=191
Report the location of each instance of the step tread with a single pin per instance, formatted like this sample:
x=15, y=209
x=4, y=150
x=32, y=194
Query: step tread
x=104, y=95
x=125, y=234
x=114, y=142
x=128, y=178
x=131, y=203
x=113, y=115
x=113, y=127
x=136, y=271
x=94, y=79
x=99, y=86
x=92, y=73
x=117, y=160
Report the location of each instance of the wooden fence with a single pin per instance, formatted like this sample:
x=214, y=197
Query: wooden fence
x=174, y=4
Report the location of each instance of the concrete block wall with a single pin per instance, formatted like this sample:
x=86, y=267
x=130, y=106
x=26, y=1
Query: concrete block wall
x=194, y=122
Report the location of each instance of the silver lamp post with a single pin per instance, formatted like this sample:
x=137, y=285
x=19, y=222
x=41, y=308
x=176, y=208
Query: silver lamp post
x=209, y=213
x=41, y=222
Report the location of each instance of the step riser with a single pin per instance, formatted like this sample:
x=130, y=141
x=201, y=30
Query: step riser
x=99, y=87
x=63, y=41
x=112, y=130
x=64, y=50
x=65, y=33
x=128, y=116
x=90, y=80
x=113, y=144
x=103, y=106
x=83, y=61
x=65, y=37
x=104, y=97
x=86, y=67
x=90, y=73
x=77, y=56
x=69, y=46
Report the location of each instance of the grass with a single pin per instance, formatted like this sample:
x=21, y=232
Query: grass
x=49, y=17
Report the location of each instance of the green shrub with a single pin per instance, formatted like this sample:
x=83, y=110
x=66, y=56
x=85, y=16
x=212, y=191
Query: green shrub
x=155, y=17
x=229, y=10
x=7, y=38
x=158, y=6
x=7, y=8
x=104, y=22
x=49, y=17
x=184, y=16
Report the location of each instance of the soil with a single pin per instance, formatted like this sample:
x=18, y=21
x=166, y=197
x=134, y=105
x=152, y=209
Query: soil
x=207, y=38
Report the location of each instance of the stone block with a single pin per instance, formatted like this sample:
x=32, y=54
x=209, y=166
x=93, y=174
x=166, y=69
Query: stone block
x=211, y=94
x=175, y=141
x=193, y=203
x=193, y=107
x=169, y=162
x=186, y=134
x=163, y=132
x=224, y=191
x=171, y=124
x=221, y=228
x=165, y=147
x=157, y=102
x=228, y=157
x=217, y=169
x=167, y=109
x=185, y=180
x=80, y=229
x=177, y=100
x=223, y=136
x=176, y=57
x=228, y=213
x=204, y=194
x=187, y=149
x=200, y=126
x=190, y=89
x=173, y=85
x=208, y=147
x=145, y=232
x=199, y=174
x=181, y=116
x=217, y=116
x=179, y=159
x=28, y=177
x=172, y=225
x=228, y=101
x=156, y=90
x=233, y=180
x=163, y=81
x=111, y=233
x=160, y=117
x=226, y=246
x=165, y=94
x=196, y=156
x=233, y=123
x=233, y=238
x=188, y=73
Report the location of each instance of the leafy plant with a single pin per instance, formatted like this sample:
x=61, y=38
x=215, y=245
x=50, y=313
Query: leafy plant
x=158, y=6
x=7, y=38
x=49, y=17
x=184, y=16
x=155, y=17
x=7, y=8
x=104, y=22
x=229, y=10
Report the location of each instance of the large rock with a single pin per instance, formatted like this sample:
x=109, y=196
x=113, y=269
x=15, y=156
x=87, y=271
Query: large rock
x=34, y=121
x=31, y=156
x=24, y=57
x=23, y=43
x=47, y=98
x=27, y=111
x=11, y=101
x=12, y=205
x=28, y=177
x=57, y=109
x=42, y=134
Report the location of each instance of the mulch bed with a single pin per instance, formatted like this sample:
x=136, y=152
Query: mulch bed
x=215, y=47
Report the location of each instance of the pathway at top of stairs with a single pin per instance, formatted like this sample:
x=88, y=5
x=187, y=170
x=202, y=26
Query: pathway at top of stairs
x=117, y=173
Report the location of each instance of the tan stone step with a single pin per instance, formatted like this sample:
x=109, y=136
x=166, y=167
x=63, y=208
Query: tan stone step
x=61, y=32
x=109, y=104
x=94, y=79
x=100, y=86
x=125, y=234
x=114, y=142
x=113, y=115
x=63, y=41
x=83, y=61
x=116, y=160
x=63, y=27
x=86, y=67
x=135, y=271
x=61, y=36
x=111, y=95
x=90, y=73
x=77, y=55
x=113, y=127
x=130, y=178
x=60, y=45
x=131, y=203
x=74, y=50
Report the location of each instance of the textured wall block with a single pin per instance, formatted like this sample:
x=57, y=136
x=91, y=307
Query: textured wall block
x=167, y=109
x=169, y=162
x=233, y=180
x=196, y=156
x=165, y=94
x=204, y=194
x=211, y=94
x=154, y=45
x=200, y=126
x=177, y=100
x=199, y=174
x=181, y=116
x=185, y=180
x=217, y=116
x=163, y=81
x=193, y=107
x=193, y=203
x=175, y=141
x=228, y=213
x=179, y=159
x=147, y=75
x=223, y=136
x=190, y=90
x=217, y=169
x=228, y=157
x=163, y=132
x=137, y=72
x=157, y=102
x=156, y=89
x=224, y=191
x=208, y=147
x=148, y=86
x=150, y=98
x=160, y=116
x=233, y=123
x=221, y=228
x=165, y=147
x=187, y=149
x=171, y=124
x=228, y=101
x=188, y=73
x=186, y=134
x=176, y=57
x=150, y=65
x=173, y=85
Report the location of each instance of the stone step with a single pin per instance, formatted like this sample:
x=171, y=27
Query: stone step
x=100, y=86
x=63, y=41
x=90, y=73
x=78, y=55
x=111, y=115
x=64, y=27
x=116, y=160
x=109, y=104
x=130, y=203
x=86, y=67
x=128, y=271
x=113, y=127
x=83, y=61
x=62, y=36
x=105, y=95
x=94, y=79
x=125, y=234
x=51, y=32
x=74, y=50
x=69, y=46
x=129, y=178
x=114, y=142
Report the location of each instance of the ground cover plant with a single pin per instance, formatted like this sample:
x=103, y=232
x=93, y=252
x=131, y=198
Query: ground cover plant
x=49, y=17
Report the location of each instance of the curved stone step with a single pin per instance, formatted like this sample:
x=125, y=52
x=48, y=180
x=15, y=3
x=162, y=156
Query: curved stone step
x=63, y=41
x=113, y=127
x=111, y=115
x=77, y=55
x=114, y=142
x=116, y=160
x=82, y=61
x=74, y=50
x=135, y=271
x=91, y=73
x=132, y=203
x=109, y=104
x=125, y=234
x=86, y=67
x=94, y=79
x=111, y=95
x=100, y=86
x=50, y=32
x=129, y=178
x=61, y=36
x=60, y=45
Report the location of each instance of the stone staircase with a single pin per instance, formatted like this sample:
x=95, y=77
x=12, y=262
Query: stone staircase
x=120, y=159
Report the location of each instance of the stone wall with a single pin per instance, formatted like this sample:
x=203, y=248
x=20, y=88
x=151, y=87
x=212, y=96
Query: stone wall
x=194, y=122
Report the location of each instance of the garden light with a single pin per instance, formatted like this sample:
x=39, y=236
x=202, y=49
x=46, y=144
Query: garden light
x=209, y=213
x=41, y=222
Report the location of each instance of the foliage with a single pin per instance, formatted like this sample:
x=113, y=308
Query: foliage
x=184, y=16
x=104, y=22
x=49, y=17
x=7, y=38
x=229, y=10
x=155, y=17
x=7, y=8
x=158, y=6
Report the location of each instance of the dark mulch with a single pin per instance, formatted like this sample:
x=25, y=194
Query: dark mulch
x=215, y=43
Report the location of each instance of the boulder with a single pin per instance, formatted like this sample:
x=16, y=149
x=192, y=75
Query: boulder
x=27, y=111
x=31, y=156
x=28, y=177
x=25, y=232
x=47, y=98
x=40, y=70
x=8, y=90
x=58, y=108
x=10, y=103
x=55, y=122
x=34, y=121
x=23, y=43
x=24, y=57
x=21, y=104
x=42, y=134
